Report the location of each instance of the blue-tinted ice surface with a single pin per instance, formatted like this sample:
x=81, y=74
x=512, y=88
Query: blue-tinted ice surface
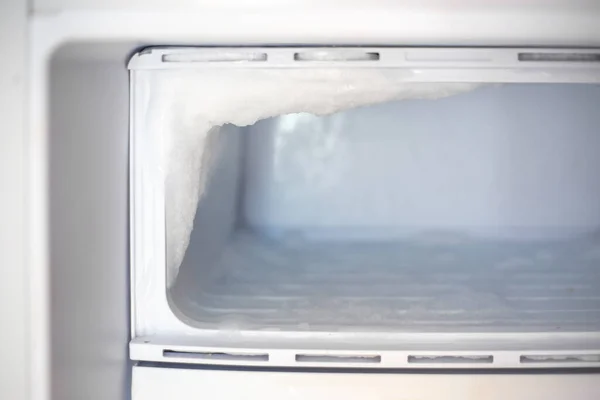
x=409, y=285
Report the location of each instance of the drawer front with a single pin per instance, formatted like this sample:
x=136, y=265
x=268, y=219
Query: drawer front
x=151, y=383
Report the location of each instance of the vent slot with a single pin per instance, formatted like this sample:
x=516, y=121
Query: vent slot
x=336, y=56
x=448, y=56
x=327, y=358
x=559, y=57
x=220, y=356
x=562, y=358
x=215, y=57
x=433, y=359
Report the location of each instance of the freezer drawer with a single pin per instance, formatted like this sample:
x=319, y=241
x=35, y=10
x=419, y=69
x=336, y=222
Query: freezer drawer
x=451, y=220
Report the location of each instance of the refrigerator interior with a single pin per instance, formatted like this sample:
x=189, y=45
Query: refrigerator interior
x=77, y=173
x=475, y=213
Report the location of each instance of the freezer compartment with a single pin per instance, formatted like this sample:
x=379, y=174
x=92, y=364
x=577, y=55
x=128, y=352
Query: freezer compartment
x=470, y=214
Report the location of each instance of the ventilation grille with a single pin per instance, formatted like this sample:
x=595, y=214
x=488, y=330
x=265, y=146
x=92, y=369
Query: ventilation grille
x=388, y=359
x=406, y=57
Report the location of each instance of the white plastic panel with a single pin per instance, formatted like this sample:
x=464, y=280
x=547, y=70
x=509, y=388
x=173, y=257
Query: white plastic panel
x=419, y=350
x=432, y=64
x=183, y=384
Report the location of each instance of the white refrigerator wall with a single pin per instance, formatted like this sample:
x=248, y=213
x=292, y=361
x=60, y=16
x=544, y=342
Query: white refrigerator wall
x=14, y=313
x=407, y=22
x=88, y=230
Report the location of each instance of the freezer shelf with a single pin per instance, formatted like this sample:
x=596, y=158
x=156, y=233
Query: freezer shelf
x=466, y=285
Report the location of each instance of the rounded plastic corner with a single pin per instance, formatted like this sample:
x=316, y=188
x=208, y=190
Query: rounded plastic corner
x=138, y=56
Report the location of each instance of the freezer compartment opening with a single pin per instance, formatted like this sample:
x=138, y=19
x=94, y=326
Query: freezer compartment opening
x=473, y=213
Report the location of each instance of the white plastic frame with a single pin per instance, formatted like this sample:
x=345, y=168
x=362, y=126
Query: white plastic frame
x=159, y=335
